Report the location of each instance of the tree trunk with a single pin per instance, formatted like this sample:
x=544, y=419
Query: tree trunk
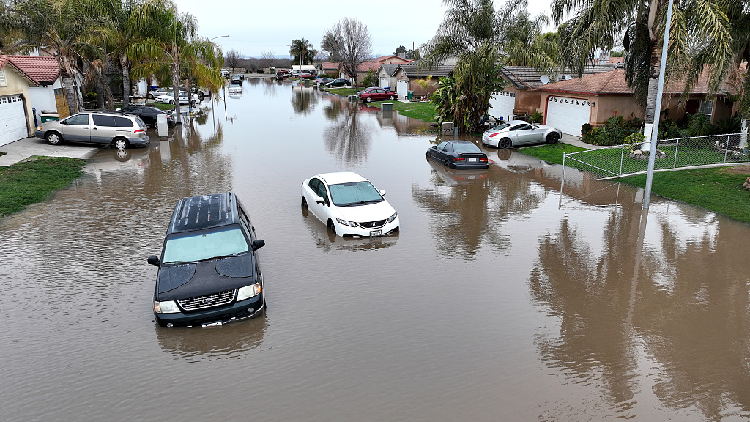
x=69, y=86
x=125, y=80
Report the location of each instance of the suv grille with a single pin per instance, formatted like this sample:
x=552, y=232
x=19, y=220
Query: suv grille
x=208, y=301
x=373, y=224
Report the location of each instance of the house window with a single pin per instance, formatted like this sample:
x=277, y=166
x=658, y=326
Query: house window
x=706, y=107
x=3, y=81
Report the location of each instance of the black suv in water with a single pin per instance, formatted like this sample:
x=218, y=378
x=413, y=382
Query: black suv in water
x=208, y=270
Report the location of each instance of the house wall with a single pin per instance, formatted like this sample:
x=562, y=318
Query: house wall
x=606, y=106
x=42, y=98
x=527, y=102
x=18, y=84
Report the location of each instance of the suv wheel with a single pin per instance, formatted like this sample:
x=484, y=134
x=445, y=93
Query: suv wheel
x=120, y=143
x=53, y=138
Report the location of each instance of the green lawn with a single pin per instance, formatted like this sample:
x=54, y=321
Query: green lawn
x=28, y=182
x=717, y=189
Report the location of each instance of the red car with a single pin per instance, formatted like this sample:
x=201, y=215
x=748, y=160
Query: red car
x=372, y=93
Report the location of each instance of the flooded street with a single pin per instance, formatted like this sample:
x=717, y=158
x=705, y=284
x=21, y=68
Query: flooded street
x=500, y=300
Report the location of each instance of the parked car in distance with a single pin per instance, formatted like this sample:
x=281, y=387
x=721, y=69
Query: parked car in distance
x=209, y=272
x=459, y=155
x=148, y=114
x=322, y=81
x=349, y=205
x=338, y=82
x=236, y=79
x=115, y=129
x=518, y=132
x=306, y=75
x=373, y=93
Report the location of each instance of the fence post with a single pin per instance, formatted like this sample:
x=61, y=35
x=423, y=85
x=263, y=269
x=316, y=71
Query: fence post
x=562, y=183
x=726, y=149
x=674, y=165
x=622, y=157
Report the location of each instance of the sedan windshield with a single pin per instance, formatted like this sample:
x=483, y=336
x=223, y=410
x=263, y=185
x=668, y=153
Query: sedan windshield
x=191, y=247
x=354, y=193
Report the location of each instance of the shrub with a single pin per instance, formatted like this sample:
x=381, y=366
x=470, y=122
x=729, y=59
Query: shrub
x=371, y=79
x=586, y=129
x=635, y=140
x=535, y=117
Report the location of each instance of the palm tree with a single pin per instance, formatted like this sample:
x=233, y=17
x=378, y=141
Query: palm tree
x=702, y=34
x=57, y=29
x=302, y=51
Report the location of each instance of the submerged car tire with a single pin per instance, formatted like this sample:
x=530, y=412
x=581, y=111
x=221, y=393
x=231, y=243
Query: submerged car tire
x=53, y=138
x=331, y=227
x=552, y=138
x=120, y=143
x=504, y=143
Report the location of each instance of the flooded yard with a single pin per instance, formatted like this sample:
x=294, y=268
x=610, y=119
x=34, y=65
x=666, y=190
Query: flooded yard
x=500, y=299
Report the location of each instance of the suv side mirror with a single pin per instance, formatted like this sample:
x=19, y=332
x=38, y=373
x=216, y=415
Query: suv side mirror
x=153, y=260
x=259, y=243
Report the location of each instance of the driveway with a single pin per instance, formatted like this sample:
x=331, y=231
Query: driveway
x=29, y=147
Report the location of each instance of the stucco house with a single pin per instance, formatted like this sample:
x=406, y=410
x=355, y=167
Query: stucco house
x=595, y=98
x=27, y=87
x=408, y=74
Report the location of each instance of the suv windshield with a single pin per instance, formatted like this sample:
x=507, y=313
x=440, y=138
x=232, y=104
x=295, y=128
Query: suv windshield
x=354, y=193
x=197, y=246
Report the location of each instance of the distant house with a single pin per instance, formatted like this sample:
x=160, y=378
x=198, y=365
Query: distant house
x=387, y=75
x=594, y=98
x=374, y=65
x=27, y=88
x=331, y=69
x=408, y=74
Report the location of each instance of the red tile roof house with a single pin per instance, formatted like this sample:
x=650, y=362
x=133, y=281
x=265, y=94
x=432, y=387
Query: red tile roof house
x=27, y=85
x=374, y=65
x=595, y=98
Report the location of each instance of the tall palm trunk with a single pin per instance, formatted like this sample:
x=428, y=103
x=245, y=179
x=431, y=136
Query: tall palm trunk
x=176, y=84
x=125, y=80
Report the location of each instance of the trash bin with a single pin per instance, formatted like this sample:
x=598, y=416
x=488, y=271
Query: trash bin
x=48, y=117
x=410, y=95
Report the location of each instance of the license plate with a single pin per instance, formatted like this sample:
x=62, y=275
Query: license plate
x=472, y=160
x=376, y=233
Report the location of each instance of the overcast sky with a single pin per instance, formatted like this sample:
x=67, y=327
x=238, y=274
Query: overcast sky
x=257, y=26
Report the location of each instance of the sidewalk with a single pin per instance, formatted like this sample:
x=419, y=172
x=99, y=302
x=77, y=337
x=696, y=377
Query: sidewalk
x=28, y=147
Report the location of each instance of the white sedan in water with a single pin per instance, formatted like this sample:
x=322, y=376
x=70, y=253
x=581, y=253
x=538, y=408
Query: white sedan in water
x=517, y=132
x=349, y=205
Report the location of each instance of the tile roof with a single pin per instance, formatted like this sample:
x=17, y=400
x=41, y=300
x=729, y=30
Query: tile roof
x=391, y=68
x=43, y=70
x=613, y=83
x=529, y=77
x=413, y=71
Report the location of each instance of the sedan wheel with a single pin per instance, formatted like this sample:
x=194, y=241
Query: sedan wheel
x=392, y=97
x=53, y=138
x=331, y=227
x=505, y=143
x=368, y=99
x=552, y=138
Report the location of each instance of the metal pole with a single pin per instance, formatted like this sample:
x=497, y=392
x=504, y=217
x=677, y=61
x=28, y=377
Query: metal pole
x=726, y=149
x=657, y=110
x=674, y=165
x=622, y=158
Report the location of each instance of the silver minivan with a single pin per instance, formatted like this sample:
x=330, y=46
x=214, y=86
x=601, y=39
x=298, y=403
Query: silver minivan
x=118, y=130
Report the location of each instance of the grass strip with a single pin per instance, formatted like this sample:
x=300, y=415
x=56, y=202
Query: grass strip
x=551, y=153
x=33, y=181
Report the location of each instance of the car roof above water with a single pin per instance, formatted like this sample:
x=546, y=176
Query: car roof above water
x=204, y=212
x=341, y=177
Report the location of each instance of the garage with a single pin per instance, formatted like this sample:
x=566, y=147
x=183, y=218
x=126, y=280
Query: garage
x=385, y=83
x=502, y=105
x=568, y=114
x=12, y=119
x=402, y=88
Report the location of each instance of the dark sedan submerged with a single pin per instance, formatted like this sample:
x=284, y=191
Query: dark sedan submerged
x=209, y=271
x=459, y=155
x=148, y=114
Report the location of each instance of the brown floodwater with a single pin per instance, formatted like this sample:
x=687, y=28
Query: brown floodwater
x=502, y=299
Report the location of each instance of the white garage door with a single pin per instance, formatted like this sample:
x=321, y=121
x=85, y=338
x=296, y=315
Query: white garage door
x=502, y=104
x=568, y=114
x=12, y=119
x=402, y=88
x=384, y=82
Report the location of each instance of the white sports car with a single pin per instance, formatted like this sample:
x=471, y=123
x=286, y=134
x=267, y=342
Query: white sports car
x=517, y=132
x=349, y=205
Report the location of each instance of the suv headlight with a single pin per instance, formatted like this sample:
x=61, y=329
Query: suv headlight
x=246, y=292
x=166, y=307
x=393, y=217
x=347, y=223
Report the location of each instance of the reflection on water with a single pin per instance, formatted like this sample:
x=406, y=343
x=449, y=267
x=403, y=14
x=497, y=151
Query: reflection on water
x=223, y=342
x=500, y=299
